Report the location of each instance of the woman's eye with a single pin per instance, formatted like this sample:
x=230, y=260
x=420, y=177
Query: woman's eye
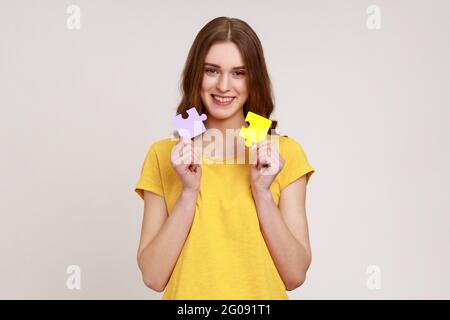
x=210, y=70
x=239, y=73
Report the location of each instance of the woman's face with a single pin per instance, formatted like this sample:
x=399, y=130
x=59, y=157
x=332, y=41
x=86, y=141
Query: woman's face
x=224, y=86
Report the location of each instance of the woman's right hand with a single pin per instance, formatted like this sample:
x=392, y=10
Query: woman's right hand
x=185, y=159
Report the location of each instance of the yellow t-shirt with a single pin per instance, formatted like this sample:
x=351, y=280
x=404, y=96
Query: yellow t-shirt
x=225, y=255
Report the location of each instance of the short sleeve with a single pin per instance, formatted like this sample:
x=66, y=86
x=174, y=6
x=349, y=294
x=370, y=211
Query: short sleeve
x=296, y=163
x=150, y=178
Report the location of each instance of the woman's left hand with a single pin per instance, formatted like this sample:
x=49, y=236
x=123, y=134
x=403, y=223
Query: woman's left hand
x=268, y=164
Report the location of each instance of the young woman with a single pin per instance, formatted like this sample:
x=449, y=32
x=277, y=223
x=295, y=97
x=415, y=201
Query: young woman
x=216, y=230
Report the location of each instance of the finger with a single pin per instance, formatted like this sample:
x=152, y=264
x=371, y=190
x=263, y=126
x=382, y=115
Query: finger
x=270, y=146
x=195, y=154
x=197, y=151
x=186, y=159
x=256, y=146
x=256, y=156
x=273, y=148
x=263, y=143
x=185, y=140
x=264, y=161
x=264, y=151
x=186, y=149
x=176, y=154
x=261, y=158
x=263, y=148
x=177, y=147
x=196, y=157
x=261, y=164
x=176, y=160
x=183, y=160
x=186, y=152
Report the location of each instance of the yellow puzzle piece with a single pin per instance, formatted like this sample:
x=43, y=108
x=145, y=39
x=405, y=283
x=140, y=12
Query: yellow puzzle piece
x=257, y=130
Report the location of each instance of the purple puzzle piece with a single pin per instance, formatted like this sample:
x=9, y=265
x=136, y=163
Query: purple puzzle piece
x=192, y=126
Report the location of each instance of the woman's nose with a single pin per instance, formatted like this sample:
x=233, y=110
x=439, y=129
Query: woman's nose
x=223, y=84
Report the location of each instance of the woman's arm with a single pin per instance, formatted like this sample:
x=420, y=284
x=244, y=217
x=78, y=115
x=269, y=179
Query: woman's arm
x=285, y=231
x=163, y=237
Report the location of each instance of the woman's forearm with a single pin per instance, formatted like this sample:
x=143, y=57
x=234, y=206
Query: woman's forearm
x=289, y=255
x=159, y=257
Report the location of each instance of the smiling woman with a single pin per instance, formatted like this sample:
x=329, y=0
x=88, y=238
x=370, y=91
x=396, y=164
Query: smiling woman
x=219, y=230
x=227, y=61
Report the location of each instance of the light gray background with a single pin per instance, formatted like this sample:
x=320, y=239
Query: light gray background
x=79, y=109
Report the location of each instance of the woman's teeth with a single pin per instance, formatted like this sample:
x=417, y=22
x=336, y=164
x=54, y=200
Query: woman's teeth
x=222, y=100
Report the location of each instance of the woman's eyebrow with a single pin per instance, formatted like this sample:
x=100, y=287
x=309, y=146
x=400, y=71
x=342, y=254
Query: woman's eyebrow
x=217, y=66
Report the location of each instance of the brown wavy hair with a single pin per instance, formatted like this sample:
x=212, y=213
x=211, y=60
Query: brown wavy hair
x=260, y=99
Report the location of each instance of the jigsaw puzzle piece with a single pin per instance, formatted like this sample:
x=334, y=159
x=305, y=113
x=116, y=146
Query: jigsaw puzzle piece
x=257, y=130
x=192, y=126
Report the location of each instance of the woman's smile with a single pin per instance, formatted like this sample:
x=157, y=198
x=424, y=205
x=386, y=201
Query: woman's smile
x=222, y=101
